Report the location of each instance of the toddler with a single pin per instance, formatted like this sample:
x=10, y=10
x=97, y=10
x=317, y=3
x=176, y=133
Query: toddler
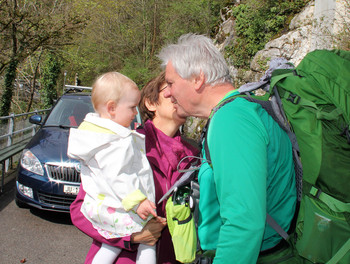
x=115, y=172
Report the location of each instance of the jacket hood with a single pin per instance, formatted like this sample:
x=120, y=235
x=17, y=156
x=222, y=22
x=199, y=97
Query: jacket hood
x=84, y=144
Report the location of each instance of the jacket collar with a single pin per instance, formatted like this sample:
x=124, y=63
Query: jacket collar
x=165, y=152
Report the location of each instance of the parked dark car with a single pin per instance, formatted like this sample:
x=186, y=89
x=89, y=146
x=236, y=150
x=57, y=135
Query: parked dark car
x=46, y=178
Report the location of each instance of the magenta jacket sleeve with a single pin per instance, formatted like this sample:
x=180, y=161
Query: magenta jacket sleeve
x=84, y=225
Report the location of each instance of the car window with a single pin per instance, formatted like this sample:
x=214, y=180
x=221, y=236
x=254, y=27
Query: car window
x=69, y=111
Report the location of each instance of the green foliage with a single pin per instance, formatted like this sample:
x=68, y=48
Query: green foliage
x=257, y=22
x=126, y=35
x=185, y=16
x=88, y=64
x=136, y=70
x=6, y=98
x=28, y=27
x=215, y=6
x=342, y=39
x=50, y=73
x=263, y=63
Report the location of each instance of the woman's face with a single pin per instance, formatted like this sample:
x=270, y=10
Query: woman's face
x=165, y=109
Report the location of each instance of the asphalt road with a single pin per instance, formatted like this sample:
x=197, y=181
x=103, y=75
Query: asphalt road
x=32, y=236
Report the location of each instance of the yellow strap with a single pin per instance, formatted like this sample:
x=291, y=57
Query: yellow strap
x=95, y=128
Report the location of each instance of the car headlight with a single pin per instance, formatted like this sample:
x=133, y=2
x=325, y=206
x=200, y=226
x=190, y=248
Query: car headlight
x=31, y=163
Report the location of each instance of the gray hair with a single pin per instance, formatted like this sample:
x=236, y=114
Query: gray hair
x=193, y=54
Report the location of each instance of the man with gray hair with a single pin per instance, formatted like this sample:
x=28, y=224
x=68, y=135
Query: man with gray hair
x=250, y=172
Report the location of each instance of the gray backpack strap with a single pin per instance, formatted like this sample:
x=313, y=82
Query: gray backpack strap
x=276, y=227
x=276, y=104
x=264, y=82
x=249, y=87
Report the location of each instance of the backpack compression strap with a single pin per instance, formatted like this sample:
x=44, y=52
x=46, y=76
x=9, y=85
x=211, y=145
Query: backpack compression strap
x=340, y=254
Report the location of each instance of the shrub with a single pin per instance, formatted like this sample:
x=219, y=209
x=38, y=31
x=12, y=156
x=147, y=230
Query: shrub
x=256, y=23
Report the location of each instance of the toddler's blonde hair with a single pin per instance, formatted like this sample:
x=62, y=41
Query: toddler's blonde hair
x=110, y=86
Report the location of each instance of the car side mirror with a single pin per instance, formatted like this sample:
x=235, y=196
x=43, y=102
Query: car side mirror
x=36, y=119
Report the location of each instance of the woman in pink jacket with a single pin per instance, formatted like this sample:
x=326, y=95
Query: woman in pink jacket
x=164, y=148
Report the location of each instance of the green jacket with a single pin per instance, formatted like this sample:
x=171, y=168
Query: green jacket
x=252, y=173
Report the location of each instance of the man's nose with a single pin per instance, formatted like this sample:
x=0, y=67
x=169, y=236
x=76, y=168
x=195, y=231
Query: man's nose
x=167, y=93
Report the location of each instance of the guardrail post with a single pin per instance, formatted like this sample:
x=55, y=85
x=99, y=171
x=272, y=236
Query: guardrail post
x=2, y=176
x=9, y=138
x=10, y=129
x=34, y=127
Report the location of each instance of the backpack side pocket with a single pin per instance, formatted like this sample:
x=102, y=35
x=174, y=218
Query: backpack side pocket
x=321, y=232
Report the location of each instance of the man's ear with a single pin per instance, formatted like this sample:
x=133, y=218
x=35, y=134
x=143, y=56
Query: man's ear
x=150, y=106
x=199, y=81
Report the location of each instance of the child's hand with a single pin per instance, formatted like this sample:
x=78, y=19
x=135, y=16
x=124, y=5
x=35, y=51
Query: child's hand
x=145, y=208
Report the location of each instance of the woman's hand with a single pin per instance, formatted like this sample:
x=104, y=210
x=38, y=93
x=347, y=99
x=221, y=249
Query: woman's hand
x=151, y=232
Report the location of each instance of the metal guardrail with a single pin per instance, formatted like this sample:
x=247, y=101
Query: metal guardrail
x=11, y=126
x=12, y=136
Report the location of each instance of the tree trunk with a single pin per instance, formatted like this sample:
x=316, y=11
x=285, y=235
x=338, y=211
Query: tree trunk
x=6, y=98
x=32, y=85
x=154, y=38
x=10, y=75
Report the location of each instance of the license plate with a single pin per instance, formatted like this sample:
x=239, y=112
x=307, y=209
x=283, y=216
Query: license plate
x=69, y=189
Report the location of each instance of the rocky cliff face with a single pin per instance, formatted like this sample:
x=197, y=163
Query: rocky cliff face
x=313, y=28
x=316, y=27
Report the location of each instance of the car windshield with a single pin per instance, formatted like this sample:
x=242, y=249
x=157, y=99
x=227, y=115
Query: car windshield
x=70, y=111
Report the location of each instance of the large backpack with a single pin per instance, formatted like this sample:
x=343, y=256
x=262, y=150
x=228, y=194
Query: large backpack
x=312, y=104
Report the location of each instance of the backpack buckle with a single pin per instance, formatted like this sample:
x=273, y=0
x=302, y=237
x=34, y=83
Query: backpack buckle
x=293, y=98
x=315, y=192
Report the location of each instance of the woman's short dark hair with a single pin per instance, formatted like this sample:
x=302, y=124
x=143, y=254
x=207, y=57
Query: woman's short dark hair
x=150, y=92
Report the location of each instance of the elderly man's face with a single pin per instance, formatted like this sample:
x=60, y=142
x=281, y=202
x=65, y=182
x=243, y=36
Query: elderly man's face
x=179, y=90
x=165, y=109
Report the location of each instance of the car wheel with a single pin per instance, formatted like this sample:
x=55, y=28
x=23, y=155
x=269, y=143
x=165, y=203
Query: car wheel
x=21, y=204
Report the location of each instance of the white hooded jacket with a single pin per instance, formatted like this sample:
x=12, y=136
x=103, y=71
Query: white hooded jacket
x=115, y=174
